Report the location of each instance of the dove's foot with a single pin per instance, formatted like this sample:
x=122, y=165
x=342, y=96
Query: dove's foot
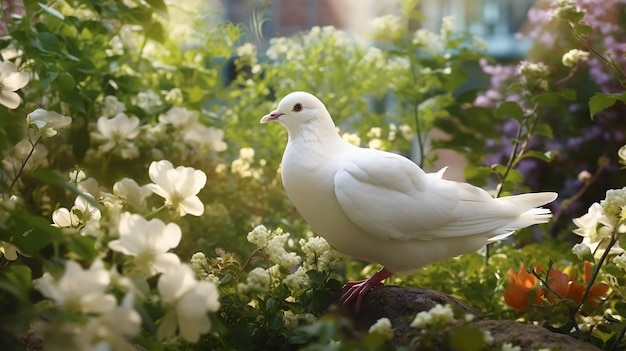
x=357, y=290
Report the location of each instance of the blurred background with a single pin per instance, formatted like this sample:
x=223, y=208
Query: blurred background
x=496, y=21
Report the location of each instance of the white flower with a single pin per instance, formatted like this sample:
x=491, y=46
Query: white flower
x=63, y=218
x=447, y=26
x=622, y=155
x=275, y=249
x=290, y=320
x=374, y=132
x=242, y=165
x=10, y=81
x=581, y=250
x=148, y=100
x=407, y=132
x=47, y=121
x=179, y=117
x=108, y=331
x=187, y=301
x=509, y=347
x=78, y=289
x=76, y=176
x=82, y=212
x=386, y=28
x=297, y=282
x=487, y=337
x=9, y=250
x=148, y=242
x=257, y=282
x=174, y=96
x=178, y=186
x=593, y=224
x=246, y=55
x=319, y=255
x=574, y=57
x=134, y=194
x=383, y=328
x=375, y=144
x=205, y=138
x=353, y=139
x=614, y=203
x=620, y=261
x=259, y=236
x=112, y=106
x=114, y=131
x=437, y=316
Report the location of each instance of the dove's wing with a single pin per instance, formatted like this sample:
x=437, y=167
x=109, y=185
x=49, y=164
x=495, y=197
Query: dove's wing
x=390, y=197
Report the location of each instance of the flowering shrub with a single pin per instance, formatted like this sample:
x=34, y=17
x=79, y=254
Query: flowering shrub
x=132, y=169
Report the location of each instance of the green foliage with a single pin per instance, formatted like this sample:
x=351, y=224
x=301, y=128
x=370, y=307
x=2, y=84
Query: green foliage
x=149, y=81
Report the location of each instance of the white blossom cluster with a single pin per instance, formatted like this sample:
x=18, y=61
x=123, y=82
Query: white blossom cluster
x=602, y=222
x=439, y=315
x=179, y=128
x=145, y=245
x=243, y=166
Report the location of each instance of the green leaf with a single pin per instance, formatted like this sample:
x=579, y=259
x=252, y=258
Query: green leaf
x=544, y=129
x=316, y=277
x=536, y=154
x=465, y=338
x=582, y=29
x=569, y=94
x=28, y=232
x=196, y=94
x=159, y=6
x=601, y=102
x=51, y=178
x=509, y=108
x=82, y=246
x=51, y=11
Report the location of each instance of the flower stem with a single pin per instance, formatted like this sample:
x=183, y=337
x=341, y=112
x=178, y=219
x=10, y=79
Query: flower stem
x=151, y=214
x=30, y=154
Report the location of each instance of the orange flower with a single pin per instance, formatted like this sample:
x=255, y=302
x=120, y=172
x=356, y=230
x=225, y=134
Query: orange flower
x=597, y=290
x=521, y=290
x=559, y=282
x=523, y=287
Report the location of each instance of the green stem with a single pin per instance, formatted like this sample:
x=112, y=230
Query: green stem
x=619, y=339
x=596, y=268
x=151, y=214
x=30, y=154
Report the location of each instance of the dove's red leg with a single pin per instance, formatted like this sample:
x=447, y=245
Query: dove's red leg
x=357, y=290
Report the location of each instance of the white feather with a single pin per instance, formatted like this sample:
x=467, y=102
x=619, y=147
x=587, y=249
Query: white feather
x=381, y=207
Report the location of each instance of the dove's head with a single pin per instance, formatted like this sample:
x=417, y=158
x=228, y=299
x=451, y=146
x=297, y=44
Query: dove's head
x=299, y=108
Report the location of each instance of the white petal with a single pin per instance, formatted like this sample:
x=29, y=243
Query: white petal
x=15, y=81
x=167, y=328
x=9, y=99
x=176, y=282
x=160, y=174
x=116, y=245
x=191, y=205
x=63, y=218
x=162, y=263
x=98, y=303
x=169, y=237
x=159, y=191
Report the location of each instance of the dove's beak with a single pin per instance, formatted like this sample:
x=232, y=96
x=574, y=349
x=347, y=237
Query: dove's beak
x=273, y=116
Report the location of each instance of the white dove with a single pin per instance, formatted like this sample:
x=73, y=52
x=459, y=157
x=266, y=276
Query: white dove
x=381, y=207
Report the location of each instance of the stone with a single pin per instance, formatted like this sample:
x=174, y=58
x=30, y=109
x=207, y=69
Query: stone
x=401, y=304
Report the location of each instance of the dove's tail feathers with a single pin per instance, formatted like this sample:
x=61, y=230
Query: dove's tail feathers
x=532, y=213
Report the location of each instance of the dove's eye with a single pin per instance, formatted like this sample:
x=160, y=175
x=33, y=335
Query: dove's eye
x=297, y=107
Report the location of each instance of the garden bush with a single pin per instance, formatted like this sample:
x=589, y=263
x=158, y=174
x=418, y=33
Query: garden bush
x=141, y=203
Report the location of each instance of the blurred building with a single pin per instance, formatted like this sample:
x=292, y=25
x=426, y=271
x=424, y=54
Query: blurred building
x=496, y=21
